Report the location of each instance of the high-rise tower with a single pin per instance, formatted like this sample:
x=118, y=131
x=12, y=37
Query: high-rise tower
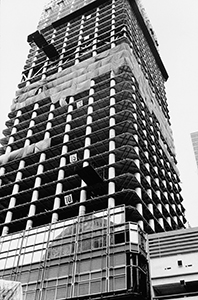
x=194, y=138
x=88, y=154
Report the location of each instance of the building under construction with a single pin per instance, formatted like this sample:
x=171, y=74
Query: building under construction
x=87, y=163
x=194, y=139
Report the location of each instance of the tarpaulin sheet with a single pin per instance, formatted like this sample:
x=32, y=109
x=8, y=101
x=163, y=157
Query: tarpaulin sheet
x=10, y=290
x=42, y=145
x=22, y=152
x=70, y=81
x=77, y=78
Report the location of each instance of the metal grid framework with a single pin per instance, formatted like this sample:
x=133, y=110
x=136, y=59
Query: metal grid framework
x=108, y=126
x=96, y=254
x=141, y=169
x=91, y=33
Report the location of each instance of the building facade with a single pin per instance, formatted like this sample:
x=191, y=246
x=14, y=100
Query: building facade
x=174, y=264
x=87, y=163
x=194, y=138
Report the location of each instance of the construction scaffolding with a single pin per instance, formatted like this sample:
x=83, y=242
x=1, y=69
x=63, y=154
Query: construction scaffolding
x=51, y=142
x=10, y=290
x=87, y=163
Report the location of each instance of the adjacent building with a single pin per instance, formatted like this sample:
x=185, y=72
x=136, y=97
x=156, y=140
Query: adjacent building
x=194, y=138
x=174, y=264
x=87, y=165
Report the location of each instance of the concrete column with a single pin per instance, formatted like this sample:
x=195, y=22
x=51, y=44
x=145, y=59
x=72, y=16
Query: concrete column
x=168, y=220
x=136, y=148
x=31, y=124
x=137, y=162
x=155, y=168
x=56, y=206
x=86, y=155
x=135, y=136
x=11, y=140
x=12, y=203
x=166, y=195
x=157, y=181
x=42, y=157
x=135, y=126
x=181, y=218
x=46, y=135
x=44, y=69
x=151, y=221
x=150, y=207
x=79, y=41
x=175, y=219
x=161, y=157
x=94, y=48
x=35, y=194
x=112, y=134
x=63, y=49
x=174, y=207
x=29, y=133
x=138, y=192
x=68, y=126
x=180, y=207
x=159, y=206
x=140, y=210
x=148, y=178
x=152, y=224
x=40, y=169
x=59, y=189
x=14, y=130
x=138, y=177
x=149, y=192
x=9, y=214
x=158, y=193
x=31, y=70
x=161, y=222
x=111, y=174
x=164, y=183
x=167, y=207
x=2, y=172
x=112, y=38
x=19, y=113
x=32, y=209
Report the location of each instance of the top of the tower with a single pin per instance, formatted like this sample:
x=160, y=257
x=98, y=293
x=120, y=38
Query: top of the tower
x=58, y=12
x=57, y=9
x=147, y=21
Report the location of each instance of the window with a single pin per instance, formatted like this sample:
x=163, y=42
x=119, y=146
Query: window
x=179, y=262
x=61, y=3
x=48, y=11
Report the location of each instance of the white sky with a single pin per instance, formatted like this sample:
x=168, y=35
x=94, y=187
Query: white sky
x=175, y=24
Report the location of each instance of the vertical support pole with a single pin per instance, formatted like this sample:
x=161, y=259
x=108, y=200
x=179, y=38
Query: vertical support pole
x=112, y=146
x=79, y=41
x=139, y=208
x=94, y=48
x=63, y=48
x=37, y=183
x=151, y=221
x=86, y=156
x=112, y=38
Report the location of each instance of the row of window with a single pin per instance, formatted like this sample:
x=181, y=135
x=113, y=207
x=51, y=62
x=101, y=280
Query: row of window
x=46, y=195
x=44, y=117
